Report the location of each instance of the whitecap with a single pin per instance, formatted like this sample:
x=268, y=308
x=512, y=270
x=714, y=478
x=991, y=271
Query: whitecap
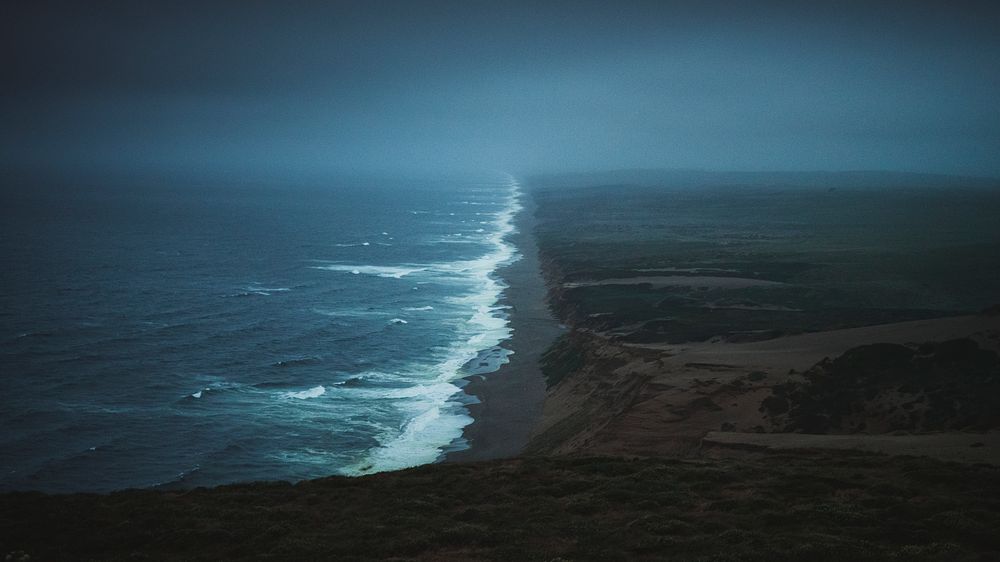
x=418, y=308
x=255, y=289
x=351, y=312
x=260, y=292
x=449, y=240
x=396, y=272
x=398, y=321
x=267, y=290
x=314, y=392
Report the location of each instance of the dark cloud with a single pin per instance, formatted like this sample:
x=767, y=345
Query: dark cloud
x=511, y=85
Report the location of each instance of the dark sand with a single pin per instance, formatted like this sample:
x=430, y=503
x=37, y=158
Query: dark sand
x=511, y=398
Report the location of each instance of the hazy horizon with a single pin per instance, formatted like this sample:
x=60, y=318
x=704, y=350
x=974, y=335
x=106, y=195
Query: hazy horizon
x=443, y=87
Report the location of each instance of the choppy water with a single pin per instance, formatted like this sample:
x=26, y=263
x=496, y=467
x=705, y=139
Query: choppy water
x=159, y=334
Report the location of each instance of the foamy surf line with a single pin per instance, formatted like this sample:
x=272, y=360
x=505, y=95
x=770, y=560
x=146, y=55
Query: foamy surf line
x=435, y=413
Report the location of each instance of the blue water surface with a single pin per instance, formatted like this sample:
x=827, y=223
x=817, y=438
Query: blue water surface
x=198, y=332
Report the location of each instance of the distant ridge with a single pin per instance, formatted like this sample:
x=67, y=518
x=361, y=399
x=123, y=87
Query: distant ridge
x=818, y=179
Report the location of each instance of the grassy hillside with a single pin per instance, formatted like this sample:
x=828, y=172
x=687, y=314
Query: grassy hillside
x=794, y=506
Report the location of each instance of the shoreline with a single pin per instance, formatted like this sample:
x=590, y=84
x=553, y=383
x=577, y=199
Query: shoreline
x=508, y=402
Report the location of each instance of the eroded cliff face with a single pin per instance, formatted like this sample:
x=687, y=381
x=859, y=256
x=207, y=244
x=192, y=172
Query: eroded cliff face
x=553, y=276
x=609, y=397
x=590, y=385
x=588, y=377
x=597, y=383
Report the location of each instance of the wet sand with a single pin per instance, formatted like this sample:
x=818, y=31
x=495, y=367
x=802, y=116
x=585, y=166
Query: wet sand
x=510, y=399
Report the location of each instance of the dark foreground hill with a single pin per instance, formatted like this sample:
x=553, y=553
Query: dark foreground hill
x=790, y=506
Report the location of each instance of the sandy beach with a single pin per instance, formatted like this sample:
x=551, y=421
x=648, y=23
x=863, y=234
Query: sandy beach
x=511, y=398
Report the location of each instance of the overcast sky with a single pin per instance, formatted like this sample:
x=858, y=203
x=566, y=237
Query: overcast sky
x=527, y=87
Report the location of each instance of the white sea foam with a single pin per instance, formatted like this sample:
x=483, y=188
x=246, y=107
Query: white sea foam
x=398, y=321
x=450, y=240
x=435, y=417
x=418, y=308
x=254, y=289
x=314, y=392
x=351, y=312
x=433, y=421
x=397, y=272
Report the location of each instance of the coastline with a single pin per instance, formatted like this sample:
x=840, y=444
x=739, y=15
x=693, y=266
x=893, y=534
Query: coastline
x=725, y=446
x=509, y=400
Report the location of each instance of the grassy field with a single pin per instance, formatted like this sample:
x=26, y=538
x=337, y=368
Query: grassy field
x=838, y=257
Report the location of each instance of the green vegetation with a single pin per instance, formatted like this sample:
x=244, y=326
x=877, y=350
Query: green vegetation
x=792, y=506
x=838, y=257
x=953, y=385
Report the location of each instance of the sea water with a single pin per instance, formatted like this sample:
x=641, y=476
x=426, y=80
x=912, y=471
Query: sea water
x=204, y=332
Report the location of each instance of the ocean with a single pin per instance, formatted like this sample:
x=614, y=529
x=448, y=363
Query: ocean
x=161, y=334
